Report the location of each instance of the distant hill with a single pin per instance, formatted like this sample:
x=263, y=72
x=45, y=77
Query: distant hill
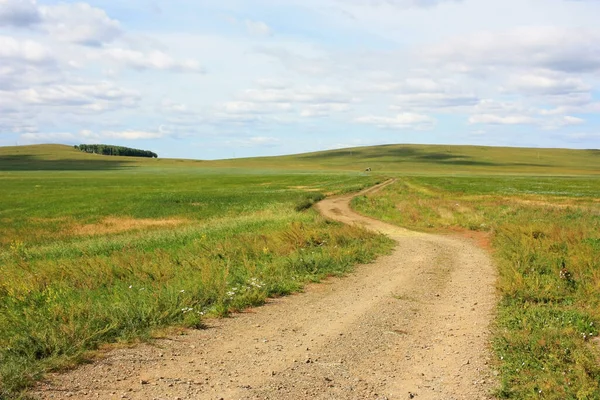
x=404, y=159
x=437, y=159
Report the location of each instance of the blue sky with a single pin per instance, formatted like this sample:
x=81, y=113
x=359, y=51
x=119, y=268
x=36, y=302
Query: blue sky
x=235, y=78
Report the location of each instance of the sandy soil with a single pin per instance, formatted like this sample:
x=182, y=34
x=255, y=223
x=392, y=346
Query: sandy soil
x=414, y=324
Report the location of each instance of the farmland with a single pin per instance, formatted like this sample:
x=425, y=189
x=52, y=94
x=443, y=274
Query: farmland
x=98, y=249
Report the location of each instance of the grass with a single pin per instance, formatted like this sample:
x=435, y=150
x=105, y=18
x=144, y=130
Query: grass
x=97, y=249
x=441, y=160
x=91, y=255
x=545, y=235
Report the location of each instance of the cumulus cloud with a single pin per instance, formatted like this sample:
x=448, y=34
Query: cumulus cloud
x=323, y=109
x=133, y=134
x=79, y=23
x=306, y=94
x=248, y=107
x=401, y=121
x=493, y=119
x=88, y=135
x=76, y=22
x=434, y=101
x=275, y=101
x=79, y=98
x=545, y=83
x=408, y=85
x=19, y=13
x=24, y=51
x=553, y=48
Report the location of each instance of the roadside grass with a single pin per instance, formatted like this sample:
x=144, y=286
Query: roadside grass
x=545, y=236
x=71, y=281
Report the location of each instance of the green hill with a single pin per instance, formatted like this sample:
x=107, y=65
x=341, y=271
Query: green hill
x=438, y=159
x=405, y=159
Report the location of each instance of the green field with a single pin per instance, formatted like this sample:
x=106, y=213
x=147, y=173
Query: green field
x=545, y=237
x=99, y=249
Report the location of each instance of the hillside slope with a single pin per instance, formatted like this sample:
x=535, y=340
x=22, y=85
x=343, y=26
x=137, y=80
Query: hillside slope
x=401, y=158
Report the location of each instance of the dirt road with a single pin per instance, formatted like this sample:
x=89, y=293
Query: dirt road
x=414, y=324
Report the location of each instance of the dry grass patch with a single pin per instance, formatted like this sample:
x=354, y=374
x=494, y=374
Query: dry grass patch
x=123, y=224
x=304, y=188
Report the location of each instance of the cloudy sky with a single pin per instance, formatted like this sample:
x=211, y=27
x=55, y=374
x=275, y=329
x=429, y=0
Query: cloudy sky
x=231, y=78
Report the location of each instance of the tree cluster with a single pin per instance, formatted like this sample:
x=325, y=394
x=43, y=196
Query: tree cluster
x=110, y=150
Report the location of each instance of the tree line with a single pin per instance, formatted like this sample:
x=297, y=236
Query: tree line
x=110, y=150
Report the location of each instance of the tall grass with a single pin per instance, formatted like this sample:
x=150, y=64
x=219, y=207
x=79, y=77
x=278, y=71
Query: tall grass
x=64, y=294
x=546, y=241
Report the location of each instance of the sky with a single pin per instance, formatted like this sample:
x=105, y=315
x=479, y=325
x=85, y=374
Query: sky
x=208, y=79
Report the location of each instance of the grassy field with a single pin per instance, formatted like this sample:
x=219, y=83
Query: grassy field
x=102, y=252
x=98, y=249
x=545, y=236
x=439, y=160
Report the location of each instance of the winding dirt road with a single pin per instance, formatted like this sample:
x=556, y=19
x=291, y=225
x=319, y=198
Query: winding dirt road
x=413, y=324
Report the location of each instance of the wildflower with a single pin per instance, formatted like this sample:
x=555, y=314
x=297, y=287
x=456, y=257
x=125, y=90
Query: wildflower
x=182, y=291
x=130, y=286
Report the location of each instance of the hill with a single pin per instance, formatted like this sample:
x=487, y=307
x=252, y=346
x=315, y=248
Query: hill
x=438, y=159
x=401, y=158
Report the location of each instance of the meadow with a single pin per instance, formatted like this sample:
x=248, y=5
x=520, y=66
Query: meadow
x=544, y=233
x=92, y=254
x=97, y=250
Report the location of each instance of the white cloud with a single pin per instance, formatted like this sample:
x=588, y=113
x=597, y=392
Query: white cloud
x=545, y=83
x=569, y=120
x=306, y=94
x=435, y=101
x=76, y=22
x=560, y=122
x=400, y=121
x=153, y=60
x=410, y=85
x=493, y=119
x=553, y=48
x=248, y=107
x=79, y=23
x=19, y=13
x=49, y=137
x=258, y=28
x=133, y=134
x=80, y=98
x=170, y=106
x=26, y=51
x=88, y=135
x=323, y=109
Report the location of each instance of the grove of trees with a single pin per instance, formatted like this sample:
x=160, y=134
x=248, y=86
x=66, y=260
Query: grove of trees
x=110, y=150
